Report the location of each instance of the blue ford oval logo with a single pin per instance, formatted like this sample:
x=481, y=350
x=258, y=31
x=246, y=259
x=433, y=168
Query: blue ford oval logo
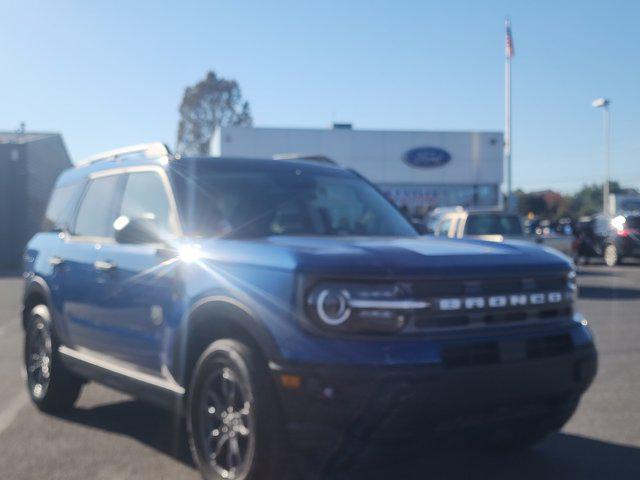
x=427, y=157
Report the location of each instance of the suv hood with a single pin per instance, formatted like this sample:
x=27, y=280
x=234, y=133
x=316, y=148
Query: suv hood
x=369, y=256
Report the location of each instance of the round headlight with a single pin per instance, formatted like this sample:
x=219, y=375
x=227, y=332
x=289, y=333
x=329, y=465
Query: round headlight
x=332, y=306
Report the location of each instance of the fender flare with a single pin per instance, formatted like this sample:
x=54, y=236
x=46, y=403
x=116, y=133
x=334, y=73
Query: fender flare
x=233, y=313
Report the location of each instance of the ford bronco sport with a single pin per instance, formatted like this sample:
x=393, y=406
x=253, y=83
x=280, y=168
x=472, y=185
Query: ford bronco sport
x=286, y=305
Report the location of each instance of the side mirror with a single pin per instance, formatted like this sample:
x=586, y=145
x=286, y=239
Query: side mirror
x=136, y=231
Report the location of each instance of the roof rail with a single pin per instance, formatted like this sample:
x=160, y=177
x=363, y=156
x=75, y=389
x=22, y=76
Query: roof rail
x=149, y=150
x=308, y=158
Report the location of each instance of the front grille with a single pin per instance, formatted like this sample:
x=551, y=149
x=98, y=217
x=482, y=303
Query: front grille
x=462, y=303
x=488, y=353
x=469, y=355
x=488, y=286
x=551, y=346
x=430, y=321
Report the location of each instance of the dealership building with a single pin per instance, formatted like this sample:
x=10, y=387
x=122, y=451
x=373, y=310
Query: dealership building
x=417, y=169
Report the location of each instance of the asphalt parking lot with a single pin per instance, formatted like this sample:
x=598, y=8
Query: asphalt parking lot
x=110, y=436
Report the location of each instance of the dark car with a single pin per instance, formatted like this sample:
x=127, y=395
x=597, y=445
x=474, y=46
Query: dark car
x=283, y=307
x=613, y=239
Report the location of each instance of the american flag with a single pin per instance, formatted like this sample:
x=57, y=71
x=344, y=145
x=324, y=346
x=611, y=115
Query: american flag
x=509, y=49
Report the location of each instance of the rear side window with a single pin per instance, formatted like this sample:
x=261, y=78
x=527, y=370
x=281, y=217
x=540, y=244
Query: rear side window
x=60, y=208
x=96, y=213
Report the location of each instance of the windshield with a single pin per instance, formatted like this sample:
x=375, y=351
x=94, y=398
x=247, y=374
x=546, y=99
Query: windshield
x=246, y=201
x=493, y=224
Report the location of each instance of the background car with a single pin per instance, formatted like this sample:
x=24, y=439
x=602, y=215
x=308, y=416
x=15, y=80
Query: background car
x=613, y=239
x=495, y=226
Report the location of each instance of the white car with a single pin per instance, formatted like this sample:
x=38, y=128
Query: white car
x=495, y=226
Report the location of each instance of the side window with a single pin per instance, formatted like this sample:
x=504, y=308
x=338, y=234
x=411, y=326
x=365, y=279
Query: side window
x=145, y=196
x=60, y=208
x=96, y=213
x=443, y=228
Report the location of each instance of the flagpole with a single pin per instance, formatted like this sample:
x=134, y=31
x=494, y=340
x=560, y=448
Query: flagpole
x=507, y=114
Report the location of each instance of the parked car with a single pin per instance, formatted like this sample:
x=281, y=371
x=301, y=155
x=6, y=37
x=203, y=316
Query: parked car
x=612, y=239
x=283, y=306
x=536, y=226
x=496, y=226
x=558, y=235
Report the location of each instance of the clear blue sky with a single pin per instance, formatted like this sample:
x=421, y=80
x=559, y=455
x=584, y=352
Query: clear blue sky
x=107, y=74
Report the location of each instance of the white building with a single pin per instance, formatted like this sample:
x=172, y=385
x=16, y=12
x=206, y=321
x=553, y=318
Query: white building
x=415, y=168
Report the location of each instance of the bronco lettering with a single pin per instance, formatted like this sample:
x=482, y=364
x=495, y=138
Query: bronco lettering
x=499, y=301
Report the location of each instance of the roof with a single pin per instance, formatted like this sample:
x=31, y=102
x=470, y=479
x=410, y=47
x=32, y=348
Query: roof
x=262, y=164
x=157, y=152
x=154, y=150
x=18, y=138
x=134, y=158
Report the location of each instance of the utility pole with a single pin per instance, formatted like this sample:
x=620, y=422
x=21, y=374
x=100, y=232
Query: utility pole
x=508, y=53
x=606, y=125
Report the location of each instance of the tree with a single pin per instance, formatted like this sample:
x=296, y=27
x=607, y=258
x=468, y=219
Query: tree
x=553, y=205
x=210, y=103
x=530, y=203
x=588, y=200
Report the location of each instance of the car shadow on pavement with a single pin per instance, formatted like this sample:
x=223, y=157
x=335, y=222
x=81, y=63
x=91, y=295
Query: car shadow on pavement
x=608, y=293
x=150, y=425
x=561, y=456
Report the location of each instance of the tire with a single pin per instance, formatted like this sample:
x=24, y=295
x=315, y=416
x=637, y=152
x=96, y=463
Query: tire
x=611, y=255
x=51, y=386
x=233, y=419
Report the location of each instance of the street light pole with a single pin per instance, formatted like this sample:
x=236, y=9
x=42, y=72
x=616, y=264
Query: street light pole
x=508, y=54
x=607, y=157
x=604, y=104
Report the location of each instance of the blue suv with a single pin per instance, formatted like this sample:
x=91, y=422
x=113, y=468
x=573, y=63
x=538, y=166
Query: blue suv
x=284, y=306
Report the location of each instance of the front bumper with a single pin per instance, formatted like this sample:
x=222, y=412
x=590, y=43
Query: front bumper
x=332, y=405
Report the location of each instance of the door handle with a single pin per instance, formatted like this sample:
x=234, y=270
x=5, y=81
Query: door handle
x=104, y=266
x=56, y=261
